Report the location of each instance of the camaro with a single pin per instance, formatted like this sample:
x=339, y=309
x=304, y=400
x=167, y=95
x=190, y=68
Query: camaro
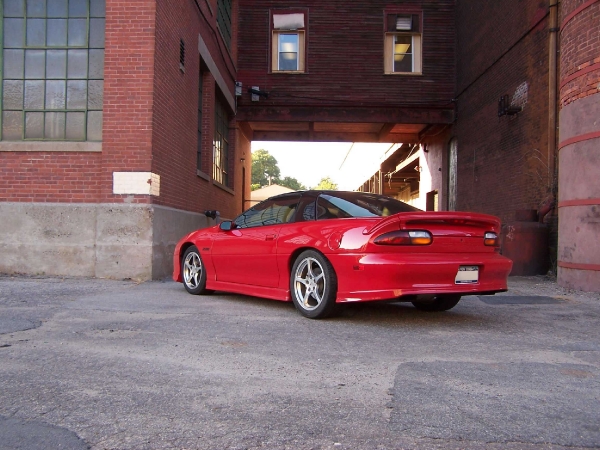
x=323, y=248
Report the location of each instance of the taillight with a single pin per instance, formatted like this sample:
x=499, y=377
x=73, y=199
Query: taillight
x=404, y=238
x=491, y=239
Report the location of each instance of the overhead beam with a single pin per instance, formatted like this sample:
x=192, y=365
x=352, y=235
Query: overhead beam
x=386, y=129
x=246, y=130
x=314, y=136
x=412, y=115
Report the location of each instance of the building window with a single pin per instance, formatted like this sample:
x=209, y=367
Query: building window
x=288, y=42
x=224, y=20
x=53, y=70
x=221, y=144
x=199, y=165
x=181, y=55
x=402, y=47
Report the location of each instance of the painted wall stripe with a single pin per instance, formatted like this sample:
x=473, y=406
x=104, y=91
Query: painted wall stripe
x=580, y=138
x=579, y=202
x=577, y=11
x=578, y=266
x=580, y=73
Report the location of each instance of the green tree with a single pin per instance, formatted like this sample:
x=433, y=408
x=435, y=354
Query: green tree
x=326, y=184
x=292, y=183
x=265, y=170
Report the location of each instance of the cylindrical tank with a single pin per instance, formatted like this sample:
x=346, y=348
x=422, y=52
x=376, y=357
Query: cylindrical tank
x=578, y=156
x=525, y=242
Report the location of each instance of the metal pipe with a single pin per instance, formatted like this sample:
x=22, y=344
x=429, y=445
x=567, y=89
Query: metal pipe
x=552, y=95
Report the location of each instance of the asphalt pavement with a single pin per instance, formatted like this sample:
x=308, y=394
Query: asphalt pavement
x=105, y=364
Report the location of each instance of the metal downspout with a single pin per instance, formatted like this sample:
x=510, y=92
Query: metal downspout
x=553, y=97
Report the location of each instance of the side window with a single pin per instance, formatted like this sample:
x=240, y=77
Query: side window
x=270, y=212
x=288, y=42
x=327, y=209
x=403, y=44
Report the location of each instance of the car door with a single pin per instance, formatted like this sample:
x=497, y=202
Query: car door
x=247, y=254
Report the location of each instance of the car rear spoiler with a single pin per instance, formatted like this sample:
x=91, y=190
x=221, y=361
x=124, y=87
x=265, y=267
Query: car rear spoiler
x=431, y=217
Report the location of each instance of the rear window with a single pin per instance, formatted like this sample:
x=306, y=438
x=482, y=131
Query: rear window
x=359, y=204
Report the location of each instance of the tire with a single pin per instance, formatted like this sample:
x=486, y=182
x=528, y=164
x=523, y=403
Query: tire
x=439, y=303
x=313, y=285
x=193, y=272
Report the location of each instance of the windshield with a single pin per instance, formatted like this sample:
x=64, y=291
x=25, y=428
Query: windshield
x=359, y=204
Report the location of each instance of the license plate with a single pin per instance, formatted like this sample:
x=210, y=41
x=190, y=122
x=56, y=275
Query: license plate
x=467, y=275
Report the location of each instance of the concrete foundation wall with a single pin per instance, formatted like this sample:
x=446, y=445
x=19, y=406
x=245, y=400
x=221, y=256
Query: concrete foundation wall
x=170, y=225
x=92, y=240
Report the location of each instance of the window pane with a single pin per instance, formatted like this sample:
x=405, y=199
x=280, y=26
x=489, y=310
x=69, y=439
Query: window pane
x=288, y=61
x=57, y=8
x=96, y=33
x=403, y=59
x=35, y=64
x=36, y=32
x=12, y=94
x=77, y=32
x=36, y=8
x=14, y=33
x=97, y=8
x=34, y=125
x=95, y=94
x=55, y=125
x=288, y=43
x=14, y=8
x=55, y=94
x=13, y=63
x=78, y=8
x=76, y=94
x=94, y=126
x=75, y=126
x=56, y=64
x=288, y=52
x=12, y=125
x=34, y=94
x=77, y=64
x=57, y=33
x=96, y=64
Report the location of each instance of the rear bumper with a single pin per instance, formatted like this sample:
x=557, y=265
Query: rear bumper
x=387, y=276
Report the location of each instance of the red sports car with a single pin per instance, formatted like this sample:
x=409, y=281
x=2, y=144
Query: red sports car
x=323, y=248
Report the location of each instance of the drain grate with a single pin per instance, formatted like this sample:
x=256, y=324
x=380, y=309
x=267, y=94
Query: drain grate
x=518, y=300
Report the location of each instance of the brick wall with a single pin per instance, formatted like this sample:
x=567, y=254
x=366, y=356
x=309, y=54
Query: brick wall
x=579, y=57
x=128, y=83
x=503, y=163
x=344, y=47
x=175, y=110
x=49, y=177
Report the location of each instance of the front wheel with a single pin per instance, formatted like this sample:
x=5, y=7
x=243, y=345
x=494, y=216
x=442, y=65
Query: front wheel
x=439, y=303
x=313, y=285
x=193, y=272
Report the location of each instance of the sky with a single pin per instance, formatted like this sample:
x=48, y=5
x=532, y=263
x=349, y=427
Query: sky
x=347, y=164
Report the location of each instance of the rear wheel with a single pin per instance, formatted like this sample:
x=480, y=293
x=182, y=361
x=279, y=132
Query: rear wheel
x=438, y=303
x=193, y=273
x=313, y=285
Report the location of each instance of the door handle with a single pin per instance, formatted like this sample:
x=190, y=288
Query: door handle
x=270, y=237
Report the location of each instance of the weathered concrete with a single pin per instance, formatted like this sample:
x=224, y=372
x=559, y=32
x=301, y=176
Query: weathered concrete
x=124, y=365
x=92, y=240
x=170, y=225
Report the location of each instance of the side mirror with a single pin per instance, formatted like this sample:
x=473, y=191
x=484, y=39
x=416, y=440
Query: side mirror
x=226, y=226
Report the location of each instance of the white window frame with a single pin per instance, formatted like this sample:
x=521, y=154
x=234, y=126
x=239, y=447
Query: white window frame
x=403, y=24
x=293, y=23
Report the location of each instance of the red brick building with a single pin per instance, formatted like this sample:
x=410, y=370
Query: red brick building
x=111, y=114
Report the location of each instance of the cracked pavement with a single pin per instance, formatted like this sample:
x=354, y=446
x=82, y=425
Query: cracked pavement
x=104, y=364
